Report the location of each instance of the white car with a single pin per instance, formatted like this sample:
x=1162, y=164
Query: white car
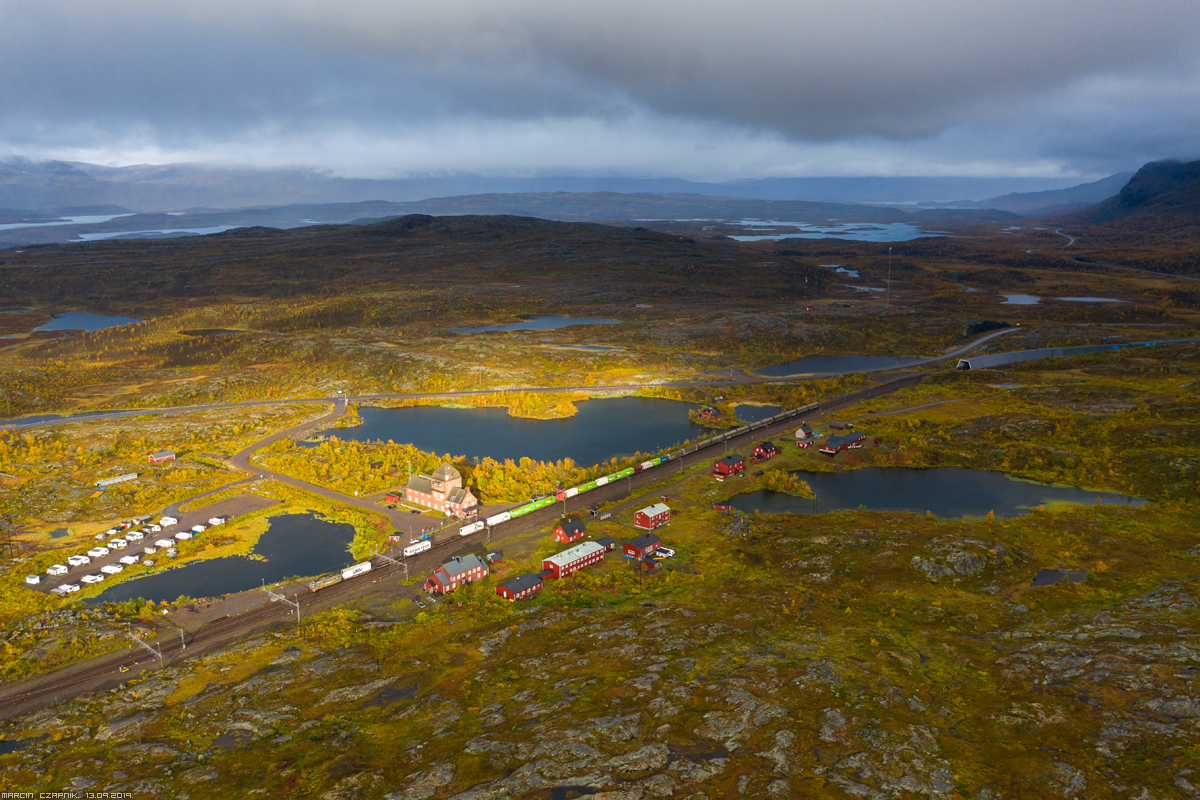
x=164, y=543
x=78, y=561
x=112, y=569
x=70, y=587
x=129, y=561
x=33, y=578
x=118, y=544
x=166, y=522
x=666, y=552
x=57, y=569
x=183, y=535
x=99, y=552
x=135, y=536
x=216, y=520
x=93, y=578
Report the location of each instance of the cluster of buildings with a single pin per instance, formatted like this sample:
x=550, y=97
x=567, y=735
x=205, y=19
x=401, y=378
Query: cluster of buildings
x=442, y=491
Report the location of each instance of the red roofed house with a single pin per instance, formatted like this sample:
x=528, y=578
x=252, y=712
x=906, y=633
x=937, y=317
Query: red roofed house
x=651, y=517
x=520, y=586
x=442, y=491
x=642, y=546
x=570, y=531
x=729, y=465
x=573, y=558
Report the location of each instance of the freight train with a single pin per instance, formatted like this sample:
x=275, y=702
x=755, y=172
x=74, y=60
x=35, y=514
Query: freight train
x=338, y=577
x=563, y=494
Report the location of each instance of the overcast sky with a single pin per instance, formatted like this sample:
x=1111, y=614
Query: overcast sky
x=650, y=88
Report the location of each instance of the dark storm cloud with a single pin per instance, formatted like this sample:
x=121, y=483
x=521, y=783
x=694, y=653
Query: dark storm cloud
x=698, y=87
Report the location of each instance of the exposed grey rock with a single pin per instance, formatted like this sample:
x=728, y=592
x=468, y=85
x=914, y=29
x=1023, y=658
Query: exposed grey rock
x=121, y=728
x=652, y=757
x=200, y=775
x=354, y=786
x=832, y=724
x=425, y=784
x=779, y=788
x=350, y=693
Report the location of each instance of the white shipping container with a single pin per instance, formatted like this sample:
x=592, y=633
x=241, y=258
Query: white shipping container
x=602, y=481
x=419, y=547
x=357, y=569
x=574, y=490
x=467, y=530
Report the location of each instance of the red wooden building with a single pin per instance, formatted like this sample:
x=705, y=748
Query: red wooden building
x=570, y=531
x=837, y=444
x=729, y=465
x=651, y=517
x=607, y=542
x=392, y=497
x=573, y=558
x=520, y=586
x=456, y=571
x=165, y=455
x=764, y=452
x=642, y=546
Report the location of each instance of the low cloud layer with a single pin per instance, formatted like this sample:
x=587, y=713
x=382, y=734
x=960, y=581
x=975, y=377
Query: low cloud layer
x=699, y=89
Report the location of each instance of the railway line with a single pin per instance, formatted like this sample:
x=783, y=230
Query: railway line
x=105, y=670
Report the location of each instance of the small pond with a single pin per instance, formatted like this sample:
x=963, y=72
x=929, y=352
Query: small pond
x=603, y=428
x=540, y=323
x=85, y=321
x=1093, y=300
x=294, y=544
x=835, y=364
x=1049, y=577
x=752, y=413
x=948, y=492
x=853, y=273
x=1020, y=299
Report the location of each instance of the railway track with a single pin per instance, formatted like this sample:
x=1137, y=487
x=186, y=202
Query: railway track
x=105, y=670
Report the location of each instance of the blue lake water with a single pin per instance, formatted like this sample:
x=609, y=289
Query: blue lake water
x=948, y=492
x=603, y=429
x=853, y=273
x=86, y=321
x=294, y=545
x=83, y=220
x=748, y=413
x=835, y=364
x=1093, y=300
x=854, y=231
x=95, y=237
x=540, y=323
x=1020, y=299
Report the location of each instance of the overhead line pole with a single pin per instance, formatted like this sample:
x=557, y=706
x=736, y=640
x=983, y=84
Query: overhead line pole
x=284, y=599
x=147, y=646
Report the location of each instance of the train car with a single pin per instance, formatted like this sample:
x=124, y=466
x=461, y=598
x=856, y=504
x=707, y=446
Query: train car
x=646, y=464
x=561, y=494
x=321, y=583
x=495, y=520
x=419, y=547
x=467, y=530
x=574, y=490
x=357, y=569
x=741, y=430
x=587, y=487
x=625, y=473
x=601, y=481
x=546, y=501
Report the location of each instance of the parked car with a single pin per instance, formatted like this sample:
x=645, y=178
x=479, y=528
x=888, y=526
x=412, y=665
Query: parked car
x=431, y=600
x=112, y=569
x=420, y=604
x=78, y=561
x=665, y=552
x=413, y=511
x=93, y=578
x=392, y=507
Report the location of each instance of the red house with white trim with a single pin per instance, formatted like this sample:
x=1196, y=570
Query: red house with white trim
x=729, y=465
x=442, y=491
x=570, y=531
x=514, y=589
x=642, y=546
x=764, y=452
x=165, y=455
x=456, y=571
x=573, y=558
x=837, y=444
x=651, y=517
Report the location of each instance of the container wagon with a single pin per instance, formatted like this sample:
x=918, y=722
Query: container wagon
x=467, y=530
x=321, y=583
x=357, y=569
x=496, y=519
x=419, y=547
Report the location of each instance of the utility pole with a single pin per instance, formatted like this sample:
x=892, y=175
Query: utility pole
x=887, y=303
x=391, y=561
x=284, y=599
x=148, y=647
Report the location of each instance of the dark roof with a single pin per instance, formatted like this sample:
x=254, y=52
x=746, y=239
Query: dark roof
x=732, y=459
x=850, y=438
x=606, y=541
x=546, y=573
x=574, y=526
x=521, y=583
x=645, y=540
x=446, y=473
x=420, y=483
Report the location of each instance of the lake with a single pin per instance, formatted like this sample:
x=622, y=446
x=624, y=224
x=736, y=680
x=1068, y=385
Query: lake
x=1020, y=299
x=84, y=220
x=95, y=237
x=749, y=413
x=540, y=323
x=948, y=492
x=835, y=364
x=294, y=544
x=603, y=429
x=1093, y=300
x=854, y=231
x=85, y=321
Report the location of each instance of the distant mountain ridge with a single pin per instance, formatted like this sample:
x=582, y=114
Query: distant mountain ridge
x=1160, y=189
x=1051, y=200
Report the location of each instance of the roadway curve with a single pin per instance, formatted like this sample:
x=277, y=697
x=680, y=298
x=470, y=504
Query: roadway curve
x=16, y=424
x=104, y=671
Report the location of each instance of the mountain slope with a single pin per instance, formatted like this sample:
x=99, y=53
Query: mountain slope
x=1161, y=188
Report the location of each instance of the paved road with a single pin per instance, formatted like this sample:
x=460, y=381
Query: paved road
x=46, y=421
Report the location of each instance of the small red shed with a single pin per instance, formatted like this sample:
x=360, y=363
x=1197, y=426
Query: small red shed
x=520, y=586
x=651, y=517
x=392, y=497
x=570, y=531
